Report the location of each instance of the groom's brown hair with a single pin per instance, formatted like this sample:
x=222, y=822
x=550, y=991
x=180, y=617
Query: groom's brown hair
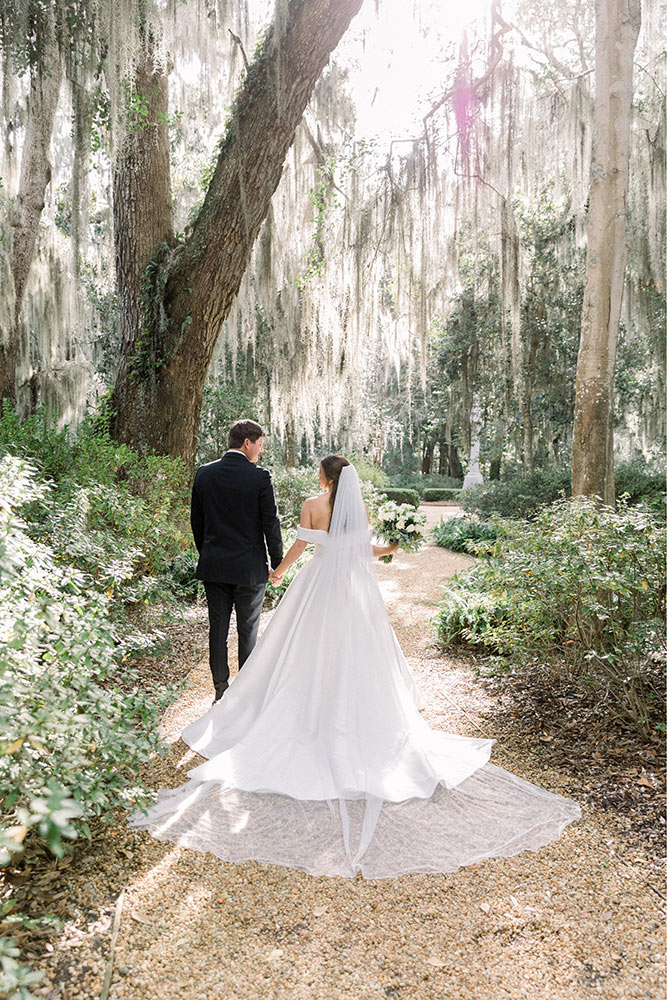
x=242, y=429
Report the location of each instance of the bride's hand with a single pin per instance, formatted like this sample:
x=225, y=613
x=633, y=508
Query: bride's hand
x=275, y=578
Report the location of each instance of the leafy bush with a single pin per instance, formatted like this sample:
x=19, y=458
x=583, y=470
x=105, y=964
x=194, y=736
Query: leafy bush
x=72, y=740
x=424, y=482
x=369, y=472
x=182, y=570
x=640, y=484
x=275, y=594
x=87, y=528
x=119, y=517
x=462, y=534
x=402, y=496
x=521, y=497
x=292, y=487
x=435, y=495
x=582, y=588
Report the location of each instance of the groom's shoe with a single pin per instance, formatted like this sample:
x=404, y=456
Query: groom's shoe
x=219, y=693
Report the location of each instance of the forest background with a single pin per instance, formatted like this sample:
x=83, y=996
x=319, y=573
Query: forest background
x=377, y=229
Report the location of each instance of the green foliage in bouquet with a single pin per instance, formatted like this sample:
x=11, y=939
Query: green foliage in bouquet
x=580, y=589
x=462, y=534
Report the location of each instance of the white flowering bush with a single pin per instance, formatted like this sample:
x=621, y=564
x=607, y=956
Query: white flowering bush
x=399, y=524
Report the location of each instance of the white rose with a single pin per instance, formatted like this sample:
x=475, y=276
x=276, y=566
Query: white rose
x=410, y=527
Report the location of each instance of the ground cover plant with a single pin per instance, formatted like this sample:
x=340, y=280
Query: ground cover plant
x=581, y=590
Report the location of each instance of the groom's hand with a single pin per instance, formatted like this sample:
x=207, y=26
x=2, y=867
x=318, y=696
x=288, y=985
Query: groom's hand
x=275, y=578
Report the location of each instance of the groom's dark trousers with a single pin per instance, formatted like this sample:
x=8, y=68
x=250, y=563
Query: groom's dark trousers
x=234, y=521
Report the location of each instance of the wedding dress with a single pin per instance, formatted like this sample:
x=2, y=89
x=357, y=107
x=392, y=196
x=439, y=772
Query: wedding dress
x=318, y=758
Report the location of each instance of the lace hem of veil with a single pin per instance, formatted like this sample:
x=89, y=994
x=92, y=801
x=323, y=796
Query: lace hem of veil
x=493, y=813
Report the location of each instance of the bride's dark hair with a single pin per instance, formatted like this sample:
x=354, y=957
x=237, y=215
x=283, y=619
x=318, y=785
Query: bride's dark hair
x=332, y=467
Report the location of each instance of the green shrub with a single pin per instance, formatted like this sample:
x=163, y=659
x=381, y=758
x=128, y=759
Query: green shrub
x=423, y=482
x=461, y=534
x=369, y=472
x=521, y=497
x=440, y=494
x=292, y=487
x=639, y=484
x=72, y=738
x=182, y=571
x=119, y=517
x=580, y=587
x=402, y=496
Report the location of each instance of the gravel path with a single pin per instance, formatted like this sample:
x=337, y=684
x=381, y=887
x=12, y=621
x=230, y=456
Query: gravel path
x=573, y=921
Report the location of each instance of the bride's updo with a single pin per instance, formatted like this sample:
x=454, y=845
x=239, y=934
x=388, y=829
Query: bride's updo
x=332, y=466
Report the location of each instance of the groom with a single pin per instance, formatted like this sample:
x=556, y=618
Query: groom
x=233, y=514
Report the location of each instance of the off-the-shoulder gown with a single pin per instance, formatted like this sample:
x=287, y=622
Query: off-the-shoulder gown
x=319, y=759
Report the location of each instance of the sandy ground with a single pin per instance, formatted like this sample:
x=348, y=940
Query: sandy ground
x=576, y=919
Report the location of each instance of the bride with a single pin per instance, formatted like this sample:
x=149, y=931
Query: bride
x=317, y=756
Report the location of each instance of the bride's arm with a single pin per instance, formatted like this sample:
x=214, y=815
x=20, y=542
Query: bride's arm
x=380, y=550
x=295, y=550
x=384, y=550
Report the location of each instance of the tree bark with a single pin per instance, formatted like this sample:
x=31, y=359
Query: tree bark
x=34, y=179
x=198, y=278
x=527, y=380
x=143, y=233
x=443, y=453
x=428, y=448
x=617, y=25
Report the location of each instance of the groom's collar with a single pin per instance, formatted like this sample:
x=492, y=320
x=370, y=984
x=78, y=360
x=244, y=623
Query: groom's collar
x=237, y=451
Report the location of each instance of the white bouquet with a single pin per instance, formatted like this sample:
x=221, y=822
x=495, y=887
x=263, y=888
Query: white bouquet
x=400, y=524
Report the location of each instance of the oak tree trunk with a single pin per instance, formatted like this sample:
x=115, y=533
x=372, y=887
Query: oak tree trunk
x=34, y=179
x=527, y=380
x=143, y=236
x=428, y=448
x=193, y=283
x=617, y=25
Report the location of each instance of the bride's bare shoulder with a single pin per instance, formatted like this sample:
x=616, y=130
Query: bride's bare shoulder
x=315, y=512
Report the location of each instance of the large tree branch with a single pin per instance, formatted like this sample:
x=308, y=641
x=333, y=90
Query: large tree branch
x=178, y=301
x=264, y=118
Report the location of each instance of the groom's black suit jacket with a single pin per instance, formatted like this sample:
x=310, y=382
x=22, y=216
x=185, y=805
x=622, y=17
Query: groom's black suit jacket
x=233, y=511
